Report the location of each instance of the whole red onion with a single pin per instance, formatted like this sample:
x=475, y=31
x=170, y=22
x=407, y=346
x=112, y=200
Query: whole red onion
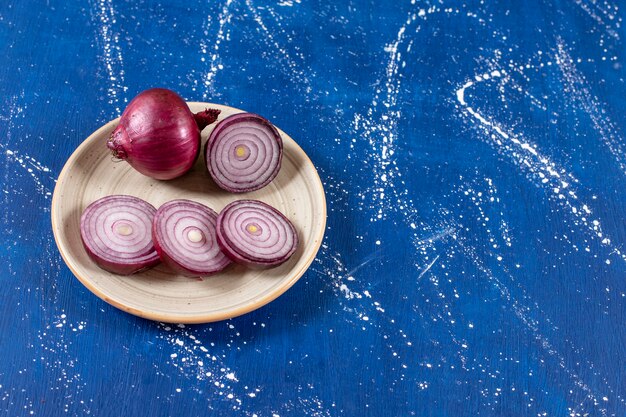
x=158, y=135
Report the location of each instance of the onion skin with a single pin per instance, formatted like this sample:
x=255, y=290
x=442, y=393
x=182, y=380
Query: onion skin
x=158, y=135
x=112, y=257
x=171, y=222
x=261, y=155
x=245, y=246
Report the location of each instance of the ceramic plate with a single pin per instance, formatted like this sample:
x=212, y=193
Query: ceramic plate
x=159, y=294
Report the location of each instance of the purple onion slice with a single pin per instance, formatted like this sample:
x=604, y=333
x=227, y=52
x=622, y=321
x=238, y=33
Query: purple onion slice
x=243, y=153
x=183, y=232
x=116, y=233
x=255, y=234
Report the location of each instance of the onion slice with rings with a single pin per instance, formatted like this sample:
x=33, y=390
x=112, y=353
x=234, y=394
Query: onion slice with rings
x=255, y=234
x=243, y=153
x=116, y=233
x=183, y=232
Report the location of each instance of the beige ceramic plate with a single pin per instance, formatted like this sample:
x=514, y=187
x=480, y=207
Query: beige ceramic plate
x=159, y=294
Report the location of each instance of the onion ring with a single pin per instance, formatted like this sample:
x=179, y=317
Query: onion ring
x=243, y=153
x=255, y=234
x=116, y=233
x=183, y=232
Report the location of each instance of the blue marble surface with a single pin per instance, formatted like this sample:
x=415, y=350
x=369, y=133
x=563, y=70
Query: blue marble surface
x=474, y=165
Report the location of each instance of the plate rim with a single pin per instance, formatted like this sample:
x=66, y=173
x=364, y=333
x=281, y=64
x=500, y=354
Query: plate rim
x=174, y=318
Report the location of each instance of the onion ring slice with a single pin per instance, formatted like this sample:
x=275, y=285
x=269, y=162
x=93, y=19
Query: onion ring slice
x=183, y=232
x=116, y=233
x=243, y=153
x=255, y=234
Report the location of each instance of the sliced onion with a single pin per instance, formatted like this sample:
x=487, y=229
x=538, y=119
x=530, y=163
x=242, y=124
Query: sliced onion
x=243, y=153
x=183, y=232
x=116, y=233
x=255, y=234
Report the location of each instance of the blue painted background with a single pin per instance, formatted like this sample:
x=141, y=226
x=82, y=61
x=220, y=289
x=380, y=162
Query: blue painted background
x=473, y=159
